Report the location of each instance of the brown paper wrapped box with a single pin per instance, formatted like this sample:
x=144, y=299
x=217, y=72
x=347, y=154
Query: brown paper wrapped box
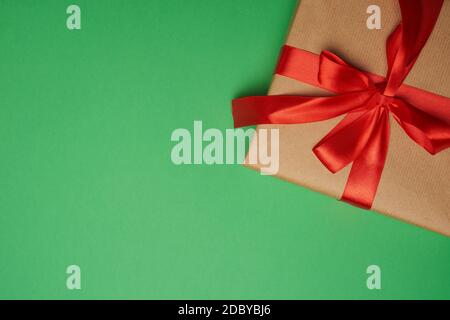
x=415, y=186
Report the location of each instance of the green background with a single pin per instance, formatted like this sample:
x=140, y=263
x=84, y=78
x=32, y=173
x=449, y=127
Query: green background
x=86, y=176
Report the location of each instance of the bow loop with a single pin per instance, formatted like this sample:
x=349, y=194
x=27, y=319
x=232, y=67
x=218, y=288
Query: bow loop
x=344, y=144
x=408, y=39
x=427, y=131
x=339, y=76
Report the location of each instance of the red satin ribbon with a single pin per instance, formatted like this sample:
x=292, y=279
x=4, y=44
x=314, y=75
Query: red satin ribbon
x=367, y=100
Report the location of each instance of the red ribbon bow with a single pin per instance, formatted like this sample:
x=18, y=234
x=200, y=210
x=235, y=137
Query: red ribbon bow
x=367, y=100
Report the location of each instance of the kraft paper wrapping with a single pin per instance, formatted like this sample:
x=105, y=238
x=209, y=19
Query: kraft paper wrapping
x=415, y=186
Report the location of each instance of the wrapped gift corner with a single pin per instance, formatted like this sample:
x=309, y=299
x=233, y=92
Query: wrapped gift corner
x=415, y=187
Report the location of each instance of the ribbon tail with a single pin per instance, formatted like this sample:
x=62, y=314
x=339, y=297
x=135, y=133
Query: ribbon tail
x=257, y=110
x=366, y=171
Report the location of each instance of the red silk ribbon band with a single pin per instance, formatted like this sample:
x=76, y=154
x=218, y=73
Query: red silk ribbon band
x=366, y=100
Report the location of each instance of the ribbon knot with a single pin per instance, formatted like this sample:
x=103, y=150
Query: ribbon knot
x=361, y=138
x=385, y=101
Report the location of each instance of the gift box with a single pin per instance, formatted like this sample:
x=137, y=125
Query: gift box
x=414, y=180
